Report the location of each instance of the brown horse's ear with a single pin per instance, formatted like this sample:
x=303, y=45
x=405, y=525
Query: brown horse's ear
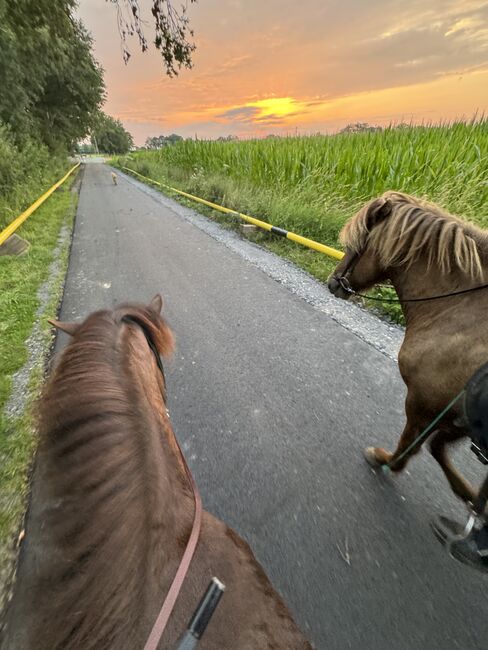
x=156, y=303
x=69, y=328
x=378, y=210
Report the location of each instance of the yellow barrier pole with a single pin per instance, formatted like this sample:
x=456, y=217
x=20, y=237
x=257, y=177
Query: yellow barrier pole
x=11, y=228
x=303, y=241
x=317, y=246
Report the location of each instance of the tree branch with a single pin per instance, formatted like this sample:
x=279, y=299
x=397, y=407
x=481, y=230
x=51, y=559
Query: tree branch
x=172, y=29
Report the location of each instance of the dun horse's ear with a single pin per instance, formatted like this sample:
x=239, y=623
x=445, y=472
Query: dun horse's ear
x=69, y=328
x=378, y=210
x=157, y=303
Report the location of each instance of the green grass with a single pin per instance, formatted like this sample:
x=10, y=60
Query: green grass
x=20, y=279
x=312, y=185
x=25, y=174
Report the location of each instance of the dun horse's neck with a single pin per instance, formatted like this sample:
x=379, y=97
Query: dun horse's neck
x=420, y=282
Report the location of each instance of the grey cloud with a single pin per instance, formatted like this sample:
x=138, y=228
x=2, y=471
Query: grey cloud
x=241, y=113
x=251, y=115
x=273, y=119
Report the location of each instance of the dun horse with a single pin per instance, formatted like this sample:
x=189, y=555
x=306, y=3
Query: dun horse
x=112, y=511
x=425, y=252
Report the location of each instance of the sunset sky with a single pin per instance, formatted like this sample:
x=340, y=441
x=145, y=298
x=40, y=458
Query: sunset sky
x=280, y=66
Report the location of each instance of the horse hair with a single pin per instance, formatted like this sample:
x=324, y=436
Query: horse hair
x=414, y=228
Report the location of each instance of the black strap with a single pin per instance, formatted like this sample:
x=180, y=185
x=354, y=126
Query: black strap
x=347, y=287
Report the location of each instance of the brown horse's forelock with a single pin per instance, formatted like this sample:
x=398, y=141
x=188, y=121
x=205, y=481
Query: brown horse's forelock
x=93, y=454
x=414, y=229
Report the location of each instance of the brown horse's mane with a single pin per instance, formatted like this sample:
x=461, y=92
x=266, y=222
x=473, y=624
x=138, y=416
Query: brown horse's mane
x=97, y=456
x=416, y=228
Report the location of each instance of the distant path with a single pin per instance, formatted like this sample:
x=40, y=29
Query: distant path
x=273, y=401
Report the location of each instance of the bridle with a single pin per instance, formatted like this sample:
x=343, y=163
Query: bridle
x=343, y=279
x=170, y=600
x=345, y=284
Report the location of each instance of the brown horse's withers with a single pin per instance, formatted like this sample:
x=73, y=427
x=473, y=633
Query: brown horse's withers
x=425, y=252
x=112, y=511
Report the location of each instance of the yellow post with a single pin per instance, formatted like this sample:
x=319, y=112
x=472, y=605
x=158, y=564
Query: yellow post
x=11, y=228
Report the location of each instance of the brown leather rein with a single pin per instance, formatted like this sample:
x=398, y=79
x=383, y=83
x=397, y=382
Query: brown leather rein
x=170, y=600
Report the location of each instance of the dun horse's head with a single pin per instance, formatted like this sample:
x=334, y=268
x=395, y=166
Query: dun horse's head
x=391, y=233
x=361, y=267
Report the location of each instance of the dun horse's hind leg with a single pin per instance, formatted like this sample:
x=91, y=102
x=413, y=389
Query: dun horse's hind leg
x=437, y=445
x=377, y=456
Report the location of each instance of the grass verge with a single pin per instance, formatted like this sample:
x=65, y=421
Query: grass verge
x=30, y=291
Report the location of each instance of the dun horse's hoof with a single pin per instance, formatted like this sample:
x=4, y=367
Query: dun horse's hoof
x=369, y=454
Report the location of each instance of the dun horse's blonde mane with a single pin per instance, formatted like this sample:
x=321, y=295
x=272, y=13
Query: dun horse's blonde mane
x=416, y=228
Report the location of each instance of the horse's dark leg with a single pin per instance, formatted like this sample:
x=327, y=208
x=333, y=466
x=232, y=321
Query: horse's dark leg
x=378, y=456
x=437, y=444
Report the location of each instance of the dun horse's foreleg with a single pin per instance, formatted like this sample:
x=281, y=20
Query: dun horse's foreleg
x=437, y=444
x=397, y=460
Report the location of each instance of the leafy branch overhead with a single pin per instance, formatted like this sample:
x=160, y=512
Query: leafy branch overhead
x=172, y=31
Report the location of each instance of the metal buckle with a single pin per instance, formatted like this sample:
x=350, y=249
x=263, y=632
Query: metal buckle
x=345, y=284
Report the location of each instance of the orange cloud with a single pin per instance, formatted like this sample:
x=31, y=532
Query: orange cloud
x=277, y=66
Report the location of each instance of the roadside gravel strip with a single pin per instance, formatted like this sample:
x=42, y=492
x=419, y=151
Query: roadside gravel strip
x=383, y=336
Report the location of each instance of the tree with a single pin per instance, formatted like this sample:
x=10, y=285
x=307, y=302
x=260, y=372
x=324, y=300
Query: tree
x=162, y=141
x=85, y=147
x=172, y=30
x=70, y=102
x=110, y=136
x=174, y=138
x=359, y=127
x=51, y=86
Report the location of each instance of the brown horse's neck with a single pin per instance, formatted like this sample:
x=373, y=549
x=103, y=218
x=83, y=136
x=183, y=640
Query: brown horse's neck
x=118, y=509
x=419, y=281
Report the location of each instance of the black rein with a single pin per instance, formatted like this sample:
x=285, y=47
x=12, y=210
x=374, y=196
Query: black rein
x=346, y=286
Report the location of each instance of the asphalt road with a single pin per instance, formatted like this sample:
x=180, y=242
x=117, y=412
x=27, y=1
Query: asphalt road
x=273, y=400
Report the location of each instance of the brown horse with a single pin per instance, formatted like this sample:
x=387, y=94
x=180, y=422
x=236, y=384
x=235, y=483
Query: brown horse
x=425, y=252
x=114, y=511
